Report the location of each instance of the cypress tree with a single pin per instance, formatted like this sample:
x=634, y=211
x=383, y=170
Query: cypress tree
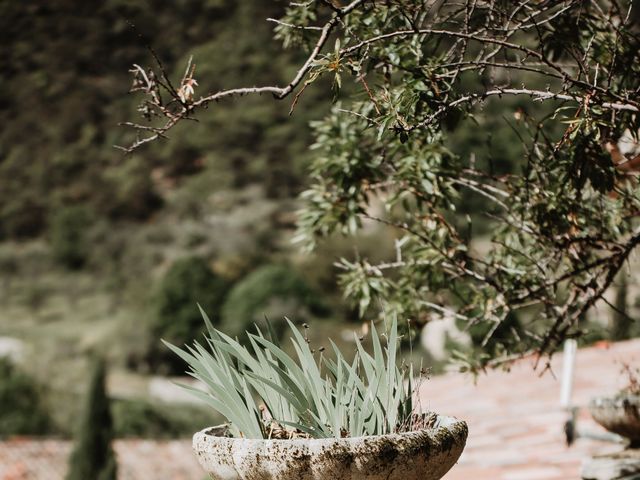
x=92, y=456
x=22, y=411
x=109, y=472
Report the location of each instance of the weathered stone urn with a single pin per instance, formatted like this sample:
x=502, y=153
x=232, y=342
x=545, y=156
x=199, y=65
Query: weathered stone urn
x=421, y=455
x=619, y=414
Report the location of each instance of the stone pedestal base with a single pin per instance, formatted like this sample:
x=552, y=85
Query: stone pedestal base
x=624, y=465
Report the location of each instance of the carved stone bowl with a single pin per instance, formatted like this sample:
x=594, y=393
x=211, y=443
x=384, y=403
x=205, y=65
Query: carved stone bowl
x=619, y=414
x=421, y=455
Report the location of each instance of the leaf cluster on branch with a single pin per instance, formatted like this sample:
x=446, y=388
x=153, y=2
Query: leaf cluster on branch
x=406, y=76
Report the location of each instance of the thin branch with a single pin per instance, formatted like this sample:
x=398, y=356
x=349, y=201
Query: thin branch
x=538, y=95
x=278, y=92
x=291, y=25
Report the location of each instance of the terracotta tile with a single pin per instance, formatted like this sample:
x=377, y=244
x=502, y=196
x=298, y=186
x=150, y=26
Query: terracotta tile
x=516, y=422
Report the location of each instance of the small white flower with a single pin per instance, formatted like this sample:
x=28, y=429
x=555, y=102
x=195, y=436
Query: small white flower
x=186, y=91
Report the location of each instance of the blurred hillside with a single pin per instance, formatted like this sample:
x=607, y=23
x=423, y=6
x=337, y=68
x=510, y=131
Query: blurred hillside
x=64, y=91
x=102, y=253
x=105, y=253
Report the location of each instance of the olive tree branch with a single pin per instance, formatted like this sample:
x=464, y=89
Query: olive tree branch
x=279, y=93
x=538, y=95
x=592, y=293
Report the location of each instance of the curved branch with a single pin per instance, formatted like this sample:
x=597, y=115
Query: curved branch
x=278, y=92
x=483, y=39
x=539, y=95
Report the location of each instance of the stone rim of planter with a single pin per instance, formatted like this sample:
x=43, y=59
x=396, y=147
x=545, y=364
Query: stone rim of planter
x=423, y=454
x=619, y=414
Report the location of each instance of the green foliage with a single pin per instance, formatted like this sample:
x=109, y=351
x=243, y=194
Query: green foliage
x=68, y=236
x=22, y=411
x=64, y=83
x=273, y=291
x=8, y=264
x=55, y=149
x=451, y=120
x=21, y=217
x=138, y=418
x=622, y=323
x=57, y=144
x=92, y=455
x=189, y=280
x=314, y=394
x=128, y=192
x=110, y=471
x=499, y=338
x=452, y=142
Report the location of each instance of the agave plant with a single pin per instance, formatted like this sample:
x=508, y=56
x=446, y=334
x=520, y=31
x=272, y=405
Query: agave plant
x=264, y=392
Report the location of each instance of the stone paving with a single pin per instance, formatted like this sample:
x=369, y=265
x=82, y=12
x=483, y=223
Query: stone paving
x=515, y=419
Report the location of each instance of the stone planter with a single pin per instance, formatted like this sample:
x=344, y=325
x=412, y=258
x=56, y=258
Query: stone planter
x=623, y=465
x=421, y=455
x=619, y=414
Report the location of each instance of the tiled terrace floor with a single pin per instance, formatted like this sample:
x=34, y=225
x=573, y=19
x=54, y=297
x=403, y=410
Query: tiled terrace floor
x=515, y=419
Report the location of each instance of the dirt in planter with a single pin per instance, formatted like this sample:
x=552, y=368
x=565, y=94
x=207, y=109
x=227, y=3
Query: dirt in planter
x=275, y=431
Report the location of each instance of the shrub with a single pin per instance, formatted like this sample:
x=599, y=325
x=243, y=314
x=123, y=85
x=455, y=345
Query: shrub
x=92, y=455
x=35, y=296
x=8, y=264
x=139, y=418
x=68, y=236
x=9, y=267
x=271, y=290
x=188, y=282
x=21, y=409
x=22, y=217
x=129, y=192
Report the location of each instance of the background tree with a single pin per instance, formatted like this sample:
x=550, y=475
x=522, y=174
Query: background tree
x=8, y=269
x=68, y=231
x=92, y=455
x=188, y=282
x=22, y=411
x=275, y=291
x=621, y=321
x=562, y=215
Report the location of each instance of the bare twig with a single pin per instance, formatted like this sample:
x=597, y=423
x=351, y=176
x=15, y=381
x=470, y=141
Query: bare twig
x=278, y=92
